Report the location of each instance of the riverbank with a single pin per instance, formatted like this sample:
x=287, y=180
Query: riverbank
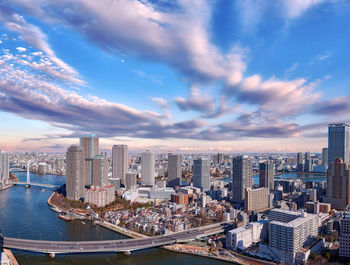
x=121, y=230
x=218, y=254
x=10, y=256
x=6, y=187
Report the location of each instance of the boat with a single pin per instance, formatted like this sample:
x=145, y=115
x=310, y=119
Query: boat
x=83, y=223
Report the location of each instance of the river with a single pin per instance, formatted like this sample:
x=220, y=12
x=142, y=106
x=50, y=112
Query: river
x=25, y=213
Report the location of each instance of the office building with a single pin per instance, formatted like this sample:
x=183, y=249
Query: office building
x=266, y=175
x=338, y=142
x=308, y=162
x=338, y=179
x=325, y=156
x=99, y=171
x=174, y=170
x=242, y=172
x=289, y=232
x=300, y=162
x=120, y=162
x=74, y=173
x=5, y=167
x=344, y=237
x=90, y=145
x=201, y=174
x=256, y=199
x=147, y=168
x=130, y=180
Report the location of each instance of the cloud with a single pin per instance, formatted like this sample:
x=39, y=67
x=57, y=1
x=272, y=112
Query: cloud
x=287, y=98
x=33, y=36
x=334, y=107
x=296, y=8
x=161, y=102
x=21, y=49
x=176, y=35
x=196, y=101
x=153, y=78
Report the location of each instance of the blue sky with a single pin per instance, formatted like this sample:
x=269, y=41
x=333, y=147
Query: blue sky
x=235, y=76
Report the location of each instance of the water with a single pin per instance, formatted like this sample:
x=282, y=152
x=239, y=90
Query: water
x=25, y=213
x=303, y=177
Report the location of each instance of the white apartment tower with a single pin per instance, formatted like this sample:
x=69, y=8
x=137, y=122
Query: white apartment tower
x=147, y=168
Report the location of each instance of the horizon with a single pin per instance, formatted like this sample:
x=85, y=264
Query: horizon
x=205, y=76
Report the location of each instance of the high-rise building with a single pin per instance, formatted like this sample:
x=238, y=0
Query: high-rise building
x=74, y=173
x=90, y=145
x=325, y=156
x=266, y=175
x=289, y=232
x=338, y=142
x=300, y=162
x=174, y=170
x=120, y=162
x=201, y=174
x=308, y=162
x=344, y=237
x=147, y=168
x=99, y=171
x=242, y=172
x=338, y=181
x=256, y=199
x=5, y=168
x=130, y=180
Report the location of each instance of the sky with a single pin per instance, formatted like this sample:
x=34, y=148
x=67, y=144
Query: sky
x=191, y=76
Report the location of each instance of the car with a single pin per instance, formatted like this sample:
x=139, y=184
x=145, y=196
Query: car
x=123, y=242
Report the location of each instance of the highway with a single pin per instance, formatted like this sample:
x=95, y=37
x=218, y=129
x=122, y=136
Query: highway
x=60, y=247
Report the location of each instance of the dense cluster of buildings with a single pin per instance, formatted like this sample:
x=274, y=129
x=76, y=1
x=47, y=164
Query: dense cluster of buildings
x=280, y=218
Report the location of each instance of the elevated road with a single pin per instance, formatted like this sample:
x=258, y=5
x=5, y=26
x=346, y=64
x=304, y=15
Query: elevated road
x=66, y=247
x=39, y=185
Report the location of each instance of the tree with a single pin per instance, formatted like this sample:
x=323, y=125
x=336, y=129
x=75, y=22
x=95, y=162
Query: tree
x=313, y=255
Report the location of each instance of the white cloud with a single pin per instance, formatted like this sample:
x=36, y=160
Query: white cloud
x=21, y=49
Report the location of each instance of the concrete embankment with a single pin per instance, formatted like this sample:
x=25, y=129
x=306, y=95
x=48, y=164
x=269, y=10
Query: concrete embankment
x=207, y=253
x=10, y=256
x=121, y=230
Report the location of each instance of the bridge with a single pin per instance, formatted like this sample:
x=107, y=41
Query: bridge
x=32, y=184
x=16, y=169
x=126, y=245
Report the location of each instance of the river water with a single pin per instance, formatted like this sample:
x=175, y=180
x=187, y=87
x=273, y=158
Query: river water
x=25, y=213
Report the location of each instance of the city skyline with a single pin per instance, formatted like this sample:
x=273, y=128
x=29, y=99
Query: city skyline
x=248, y=76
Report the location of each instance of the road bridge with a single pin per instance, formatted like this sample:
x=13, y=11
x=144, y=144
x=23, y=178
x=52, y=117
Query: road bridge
x=126, y=245
x=38, y=185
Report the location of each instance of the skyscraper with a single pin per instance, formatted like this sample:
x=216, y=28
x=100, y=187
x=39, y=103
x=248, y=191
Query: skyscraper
x=99, y=170
x=120, y=162
x=266, y=175
x=130, y=180
x=74, y=173
x=242, y=172
x=201, y=174
x=300, y=163
x=325, y=156
x=338, y=182
x=147, y=168
x=174, y=170
x=308, y=162
x=5, y=169
x=90, y=145
x=338, y=142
